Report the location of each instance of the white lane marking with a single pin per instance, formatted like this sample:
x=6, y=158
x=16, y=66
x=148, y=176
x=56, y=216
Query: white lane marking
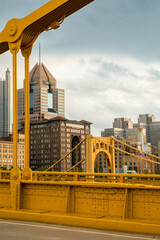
x=76, y=230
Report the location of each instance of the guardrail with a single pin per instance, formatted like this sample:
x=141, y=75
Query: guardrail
x=124, y=202
x=147, y=179
x=5, y=175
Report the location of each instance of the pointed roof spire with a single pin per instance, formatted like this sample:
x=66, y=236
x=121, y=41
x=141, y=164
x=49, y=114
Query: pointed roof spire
x=39, y=53
x=40, y=75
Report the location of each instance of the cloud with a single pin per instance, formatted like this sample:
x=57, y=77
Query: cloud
x=105, y=56
x=100, y=88
x=125, y=27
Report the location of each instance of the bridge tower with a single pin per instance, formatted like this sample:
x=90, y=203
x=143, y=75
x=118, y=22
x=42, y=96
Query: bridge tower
x=94, y=146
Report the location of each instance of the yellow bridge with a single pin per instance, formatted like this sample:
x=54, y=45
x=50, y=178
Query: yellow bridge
x=125, y=202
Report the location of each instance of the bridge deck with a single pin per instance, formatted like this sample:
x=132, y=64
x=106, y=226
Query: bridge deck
x=16, y=230
x=97, y=222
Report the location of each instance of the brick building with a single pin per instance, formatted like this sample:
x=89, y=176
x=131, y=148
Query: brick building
x=139, y=165
x=51, y=139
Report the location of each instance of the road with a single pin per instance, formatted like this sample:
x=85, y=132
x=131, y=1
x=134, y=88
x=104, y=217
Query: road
x=16, y=230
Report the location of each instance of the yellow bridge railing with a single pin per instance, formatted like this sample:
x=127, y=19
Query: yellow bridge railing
x=151, y=179
x=38, y=176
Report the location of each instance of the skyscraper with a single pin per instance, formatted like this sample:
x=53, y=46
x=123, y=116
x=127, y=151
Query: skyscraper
x=5, y=105
x=123, y=127
x=46, y=100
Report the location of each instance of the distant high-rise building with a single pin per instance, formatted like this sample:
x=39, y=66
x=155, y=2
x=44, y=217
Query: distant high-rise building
x=148, y=121
x=5, y=105
x=123, y=127
x=146, y=118
x=124, y=123
x=46, y=100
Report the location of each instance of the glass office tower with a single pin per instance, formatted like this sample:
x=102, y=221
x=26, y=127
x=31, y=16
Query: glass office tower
x=46, y=100
x=5, y=105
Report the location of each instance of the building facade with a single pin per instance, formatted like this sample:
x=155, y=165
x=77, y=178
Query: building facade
x=133, y=163
x=134, y=135
x=46, y=100
x=6, y=152
x=139, y=165
x=123, y=127
x=52, y=139
x=124, y=123
x=5, y=105
x=148, y=121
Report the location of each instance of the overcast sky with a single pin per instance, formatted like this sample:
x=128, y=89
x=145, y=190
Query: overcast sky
x=106, y=57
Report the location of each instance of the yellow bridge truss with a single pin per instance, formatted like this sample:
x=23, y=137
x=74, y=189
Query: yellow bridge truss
x=109, y=148
x=106, y=201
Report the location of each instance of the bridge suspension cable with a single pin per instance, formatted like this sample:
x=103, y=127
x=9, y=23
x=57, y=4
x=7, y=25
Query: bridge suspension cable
x=64, y=157
x=121, y=149
x=139, y=157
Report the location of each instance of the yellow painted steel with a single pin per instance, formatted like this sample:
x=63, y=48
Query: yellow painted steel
x=21, y=34
x=141, y=179
x=15, y=130
x=106, y=201
x=64, y=157
x=137, y=150
x=90, y=203
x=94, y=146
x=125, y=202
x=156, y=161
x=74, y=167
x=27, y=123
x=49, y=16
x=27, y=171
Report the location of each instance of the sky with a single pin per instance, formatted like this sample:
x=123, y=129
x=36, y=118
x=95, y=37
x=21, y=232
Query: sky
x=106, y=56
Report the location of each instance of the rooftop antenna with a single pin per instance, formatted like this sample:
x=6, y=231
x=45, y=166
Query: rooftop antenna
x=39, y=53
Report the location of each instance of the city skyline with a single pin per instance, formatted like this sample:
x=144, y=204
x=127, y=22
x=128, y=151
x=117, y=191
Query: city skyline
x=109, y=67
x=126, y=128
x=5, y=123
x=46, y=100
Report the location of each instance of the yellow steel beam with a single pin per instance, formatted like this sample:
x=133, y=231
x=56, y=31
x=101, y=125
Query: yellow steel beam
x=124, y=207
x=60, y=160
x=27, y=172
x=27, y=111
x=21, y=34
x=131, y=147
x=15, y=134
x=130, y=154
x=150, y=176
x=76, y=164
x=47, y=17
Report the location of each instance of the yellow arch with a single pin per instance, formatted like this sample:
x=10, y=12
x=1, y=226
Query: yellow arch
x=110, y=165
x=96, y=145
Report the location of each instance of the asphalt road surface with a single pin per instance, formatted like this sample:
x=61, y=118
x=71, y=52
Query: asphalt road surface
x=16, y=230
